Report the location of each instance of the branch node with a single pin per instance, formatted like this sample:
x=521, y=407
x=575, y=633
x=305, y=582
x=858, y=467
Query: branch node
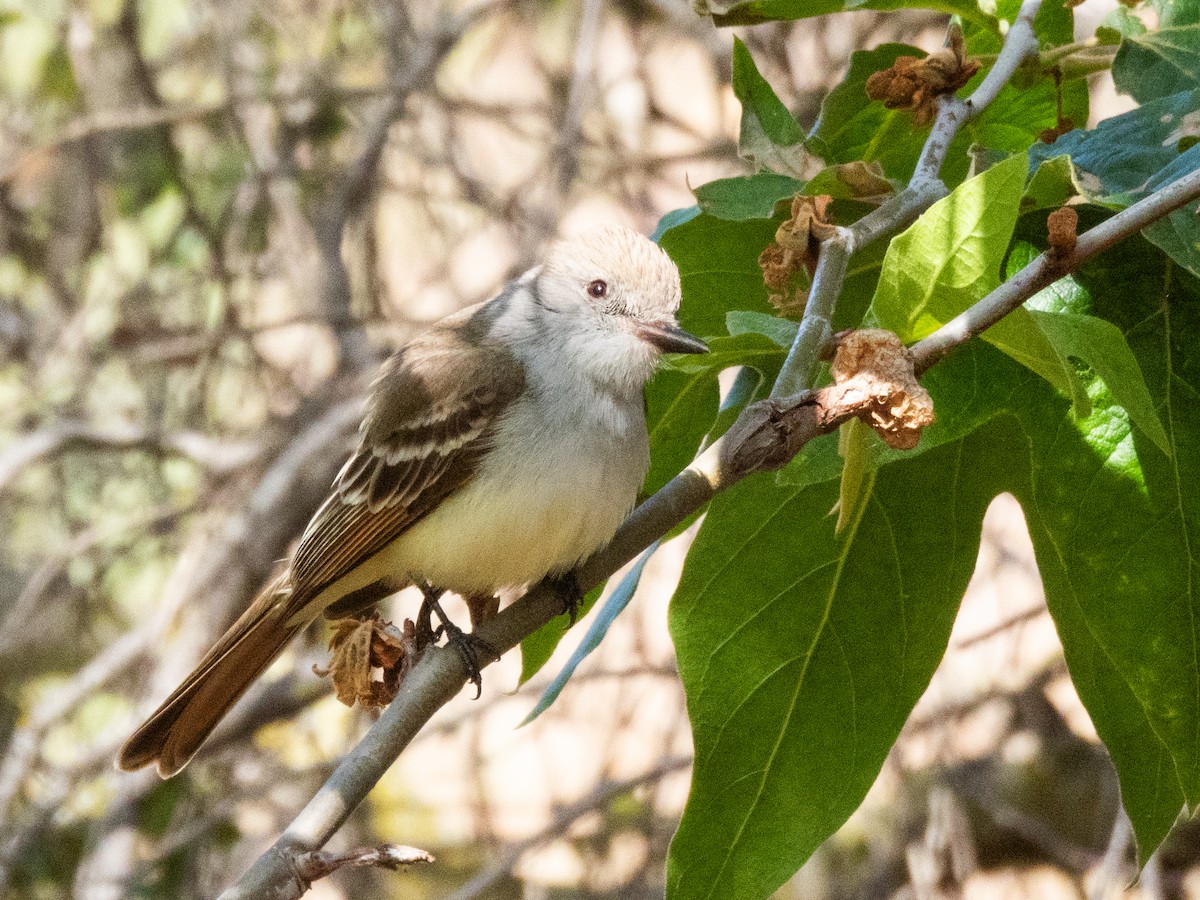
x=761, y=439
x=875, y=382
x=315, y=864
x=1062, y=226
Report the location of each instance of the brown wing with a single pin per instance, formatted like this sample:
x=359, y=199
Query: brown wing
x=430, y=419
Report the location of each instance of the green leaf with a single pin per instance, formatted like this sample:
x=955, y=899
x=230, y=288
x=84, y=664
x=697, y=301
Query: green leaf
x=1051, y=185
x=769, y=136
x=1020, y=336
x=718, y=268
x=802, y=654
x=1129, y=156
x=1158, y=63
x=1124, y=23
x=781, y=331
x=680, y=409
x=1125, y=550
x=951, y=257
x=746, y=197
x=1101, y=345
x=795, y=647
x=58, y=76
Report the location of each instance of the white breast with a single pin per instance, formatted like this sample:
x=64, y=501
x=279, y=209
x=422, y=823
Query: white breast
x=539, y=509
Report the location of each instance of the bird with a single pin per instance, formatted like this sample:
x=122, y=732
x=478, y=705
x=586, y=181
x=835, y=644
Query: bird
x=503, y=445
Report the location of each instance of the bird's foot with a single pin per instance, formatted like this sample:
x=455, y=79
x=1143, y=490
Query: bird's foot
x=474, y=651
x=567, y=587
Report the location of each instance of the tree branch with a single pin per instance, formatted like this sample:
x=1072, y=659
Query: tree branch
x=1050, y=266
x=412, y=62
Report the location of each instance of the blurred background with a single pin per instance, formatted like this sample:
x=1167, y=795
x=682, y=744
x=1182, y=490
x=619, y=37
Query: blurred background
x=215, y=218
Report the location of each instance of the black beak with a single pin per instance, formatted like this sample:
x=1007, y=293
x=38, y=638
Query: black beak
x=670, y=338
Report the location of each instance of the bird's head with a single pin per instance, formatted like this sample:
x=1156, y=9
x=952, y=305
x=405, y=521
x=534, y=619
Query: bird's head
x=623, y=291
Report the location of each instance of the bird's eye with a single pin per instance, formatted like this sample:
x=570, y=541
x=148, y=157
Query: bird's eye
x=597, y=288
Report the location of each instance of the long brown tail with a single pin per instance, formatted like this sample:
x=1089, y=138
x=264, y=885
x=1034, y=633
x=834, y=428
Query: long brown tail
x=175, y=732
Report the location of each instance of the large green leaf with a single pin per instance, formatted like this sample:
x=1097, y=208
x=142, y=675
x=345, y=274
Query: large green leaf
x=951, y=256
x=797, y=649
x=802, y=654
x=1133, y=552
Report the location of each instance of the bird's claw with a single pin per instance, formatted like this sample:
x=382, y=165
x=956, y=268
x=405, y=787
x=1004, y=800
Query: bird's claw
x=474, y=651
x=568, y=588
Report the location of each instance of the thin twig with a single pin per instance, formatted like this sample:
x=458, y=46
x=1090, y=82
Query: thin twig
x=1113, y=874
x=1019, y=618
x=318, y=864
x=566, y=151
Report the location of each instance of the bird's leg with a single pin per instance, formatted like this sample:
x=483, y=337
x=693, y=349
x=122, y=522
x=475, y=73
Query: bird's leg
x=481, y=607
x=567, y=587
x=472, y=649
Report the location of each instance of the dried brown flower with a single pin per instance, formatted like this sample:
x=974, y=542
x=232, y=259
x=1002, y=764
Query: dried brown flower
x=362, y=646
x=873, y=378
x=915, y=84
x=797, y=245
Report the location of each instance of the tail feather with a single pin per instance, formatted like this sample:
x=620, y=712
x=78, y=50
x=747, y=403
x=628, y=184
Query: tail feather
x=173, y=734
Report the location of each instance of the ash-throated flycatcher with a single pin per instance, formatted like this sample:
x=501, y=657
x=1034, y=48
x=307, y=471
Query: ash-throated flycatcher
x=504, y=444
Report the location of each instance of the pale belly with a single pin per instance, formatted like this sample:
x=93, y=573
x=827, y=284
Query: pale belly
x=522, y=516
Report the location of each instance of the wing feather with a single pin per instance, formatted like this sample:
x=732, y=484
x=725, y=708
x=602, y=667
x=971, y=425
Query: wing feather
x=431, y=418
